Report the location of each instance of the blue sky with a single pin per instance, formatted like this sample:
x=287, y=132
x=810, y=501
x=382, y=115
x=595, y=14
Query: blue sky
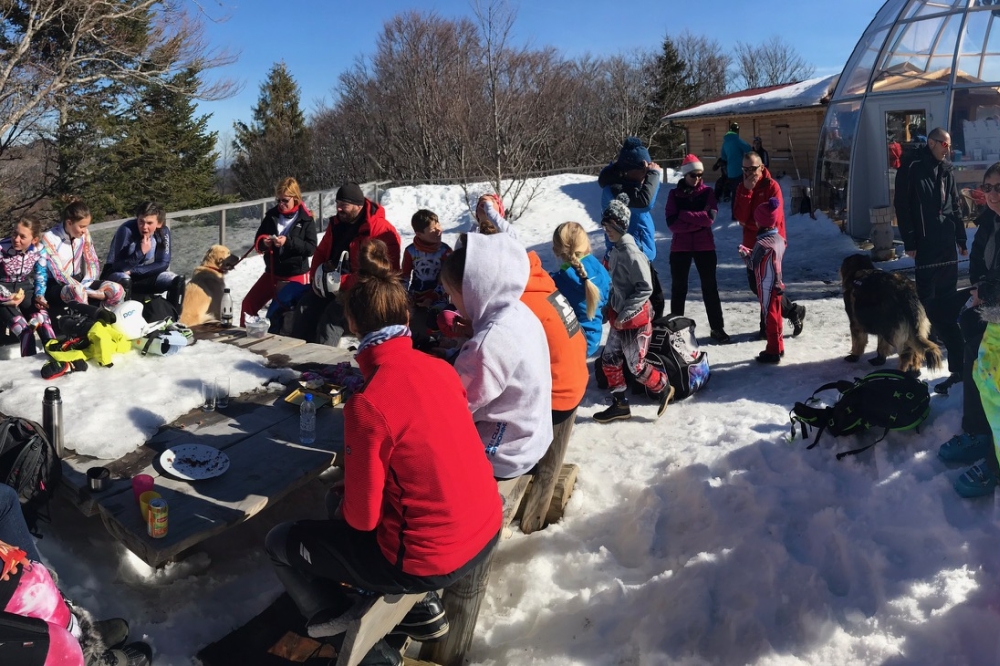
x=319, y=39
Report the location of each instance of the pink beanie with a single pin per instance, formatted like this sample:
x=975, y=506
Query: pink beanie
x=766, y=215
x=690, y=163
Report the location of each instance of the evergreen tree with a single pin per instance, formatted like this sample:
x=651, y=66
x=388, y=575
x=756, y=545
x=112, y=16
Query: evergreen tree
x=672, y=93
x=276, y=142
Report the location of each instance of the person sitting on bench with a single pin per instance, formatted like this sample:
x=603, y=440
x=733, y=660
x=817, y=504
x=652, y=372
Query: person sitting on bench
x=139, y=256
x=420, y=508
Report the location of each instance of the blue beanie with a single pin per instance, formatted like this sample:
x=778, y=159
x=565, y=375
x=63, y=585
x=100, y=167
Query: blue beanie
x=633, y=154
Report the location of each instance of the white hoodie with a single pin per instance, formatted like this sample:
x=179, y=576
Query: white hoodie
x=505, y=366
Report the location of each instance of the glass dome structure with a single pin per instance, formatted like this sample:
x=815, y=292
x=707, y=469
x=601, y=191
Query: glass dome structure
x=921, y=64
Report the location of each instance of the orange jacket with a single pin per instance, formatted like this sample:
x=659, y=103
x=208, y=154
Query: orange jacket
x=567, y=343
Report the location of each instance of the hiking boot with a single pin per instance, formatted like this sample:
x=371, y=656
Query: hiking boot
x=720, y=336
x=765, y=357
x=942, y=387
x=665, y=397
x=979, y=480
x=619, y=409
x=798, y=320
x=133, y=654
x=382, y=654
x=426, y=621
x=113, y=631
x=966, y=449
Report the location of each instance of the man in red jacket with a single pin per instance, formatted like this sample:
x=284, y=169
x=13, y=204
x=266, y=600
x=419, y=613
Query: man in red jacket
x=756, y=188
x=319, y=316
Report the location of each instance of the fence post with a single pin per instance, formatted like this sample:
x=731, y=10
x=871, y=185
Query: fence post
x=319, y=212
x=222, y=228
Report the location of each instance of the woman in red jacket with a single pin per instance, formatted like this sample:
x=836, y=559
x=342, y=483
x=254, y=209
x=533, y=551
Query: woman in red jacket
x=420, y=506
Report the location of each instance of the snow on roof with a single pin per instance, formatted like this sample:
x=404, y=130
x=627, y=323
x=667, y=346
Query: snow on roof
x=812, y=92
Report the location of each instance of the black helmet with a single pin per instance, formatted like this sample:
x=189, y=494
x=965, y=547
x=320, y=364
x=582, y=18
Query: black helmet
x=734, y=127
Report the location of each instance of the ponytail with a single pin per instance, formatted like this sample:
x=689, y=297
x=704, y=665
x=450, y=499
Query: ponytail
x=590, y=289
x=570, y=243
x=377, y=299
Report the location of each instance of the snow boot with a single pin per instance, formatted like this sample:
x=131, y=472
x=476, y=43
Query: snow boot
x=54, y=369
x=665, y=397
x=966, y=448
x=133, y=654
x=426, y=621
x=943, y=387
x=113, y=631
x=720, y=336
x=619, y=409
x=798, y=320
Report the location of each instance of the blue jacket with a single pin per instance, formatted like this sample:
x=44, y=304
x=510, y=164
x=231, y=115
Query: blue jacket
x=571, y=286
x=641, y=197
x=733, y=150
x=125, y=253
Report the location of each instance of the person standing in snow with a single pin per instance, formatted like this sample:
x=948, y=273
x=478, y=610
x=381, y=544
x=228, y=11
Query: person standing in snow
x=755, y=188
x=582, y=279
x=631, y=318
x=758, y=147
x=933, y=232
x=732, y=151
x=691, y=210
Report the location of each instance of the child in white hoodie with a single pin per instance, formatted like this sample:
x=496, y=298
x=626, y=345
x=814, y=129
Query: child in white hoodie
x=505, y=365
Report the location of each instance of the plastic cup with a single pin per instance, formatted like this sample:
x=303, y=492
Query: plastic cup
x=144, y=500
x=208, y=396
x=140, y=484
x=222, y=392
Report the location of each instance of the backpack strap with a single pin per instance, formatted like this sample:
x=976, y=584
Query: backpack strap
x=854, y=452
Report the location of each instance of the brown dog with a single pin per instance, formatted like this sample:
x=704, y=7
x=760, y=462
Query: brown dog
x=886, y=305
x=203, y=295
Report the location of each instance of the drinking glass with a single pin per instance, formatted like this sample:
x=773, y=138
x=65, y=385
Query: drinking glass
x=222, y=392
x=208, y=396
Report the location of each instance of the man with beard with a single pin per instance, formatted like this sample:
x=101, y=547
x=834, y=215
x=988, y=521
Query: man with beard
x=319, y=316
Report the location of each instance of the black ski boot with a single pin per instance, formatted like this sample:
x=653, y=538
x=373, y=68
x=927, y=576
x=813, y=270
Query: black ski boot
x=619, y=409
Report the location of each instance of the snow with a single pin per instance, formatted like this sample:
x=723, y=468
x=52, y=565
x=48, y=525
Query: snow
x=811, y=92
x=704, y=537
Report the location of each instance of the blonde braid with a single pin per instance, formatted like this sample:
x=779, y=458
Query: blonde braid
x=570, y=243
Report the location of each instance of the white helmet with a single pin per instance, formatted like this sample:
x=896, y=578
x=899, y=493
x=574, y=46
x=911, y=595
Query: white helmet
x=128, y=319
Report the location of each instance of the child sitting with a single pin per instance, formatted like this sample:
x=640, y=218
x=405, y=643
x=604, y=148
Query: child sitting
x=422, y=260
x=20, y=311
x=631, y=317
x=765, y=262
x=505, y=365
x=582, y=279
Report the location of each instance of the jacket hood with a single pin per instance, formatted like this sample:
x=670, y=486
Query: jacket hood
x=539, y=281
x=496, y=273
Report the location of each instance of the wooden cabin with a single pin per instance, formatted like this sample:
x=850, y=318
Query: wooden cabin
x=786, y=117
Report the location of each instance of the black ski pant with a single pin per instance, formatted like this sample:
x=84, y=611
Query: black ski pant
x=705, y=263
x=318, y=319
x=936, y=289
x=974, y=419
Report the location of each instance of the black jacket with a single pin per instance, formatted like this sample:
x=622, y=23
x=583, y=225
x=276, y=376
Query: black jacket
x=293, y=257
x=984, y=257
x=927, y=209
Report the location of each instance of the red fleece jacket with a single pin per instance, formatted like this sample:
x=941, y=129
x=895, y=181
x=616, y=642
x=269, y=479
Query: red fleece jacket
x=414, y=465
x=747, y=201
x=373, y=225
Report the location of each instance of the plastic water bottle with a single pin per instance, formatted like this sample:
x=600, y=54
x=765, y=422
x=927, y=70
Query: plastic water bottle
x=307, y=420
x=227, y=308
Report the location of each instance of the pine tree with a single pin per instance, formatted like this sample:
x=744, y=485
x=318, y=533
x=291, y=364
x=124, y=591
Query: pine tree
x=672, y=93
x=276, y=142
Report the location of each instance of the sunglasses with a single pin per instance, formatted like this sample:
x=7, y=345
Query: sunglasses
x=751, y=169
x=286, y=200
x=943, y=143
x=695, y=175
x=987, y=188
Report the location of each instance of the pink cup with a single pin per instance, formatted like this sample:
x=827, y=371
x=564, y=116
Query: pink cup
x=141, y=483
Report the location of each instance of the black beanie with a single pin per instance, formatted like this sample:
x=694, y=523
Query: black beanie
x=351, y=193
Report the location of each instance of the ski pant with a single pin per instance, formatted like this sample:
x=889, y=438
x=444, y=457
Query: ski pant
x=787, y=305
x=705, y=263
x=265, y=289
x=314, y=559
x=936, y=289
x=28, y=641
x=319, y=319
x=770, y=311
x=630, y=346
x=974, y=419
x=24, y=318
x=13, y=529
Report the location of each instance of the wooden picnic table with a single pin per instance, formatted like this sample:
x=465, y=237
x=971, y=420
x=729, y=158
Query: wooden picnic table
x=258, y=431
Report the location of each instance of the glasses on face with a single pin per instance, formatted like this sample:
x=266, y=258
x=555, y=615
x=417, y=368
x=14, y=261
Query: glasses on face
x=945, y=144
x=987, y=188
x=751, y=169
x=696, y=176
x=286, y=200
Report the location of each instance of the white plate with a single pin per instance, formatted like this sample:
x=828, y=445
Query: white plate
x=193, y=462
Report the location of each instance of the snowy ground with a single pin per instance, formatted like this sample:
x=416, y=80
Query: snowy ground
x=704, y=537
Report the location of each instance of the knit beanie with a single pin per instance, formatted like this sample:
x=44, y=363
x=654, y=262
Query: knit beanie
x=690, y=163
x=617, y=214
x=766, y=214
x=351, y=193
x=633, y=154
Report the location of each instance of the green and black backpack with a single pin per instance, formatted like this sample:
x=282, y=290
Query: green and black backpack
x=887, y=399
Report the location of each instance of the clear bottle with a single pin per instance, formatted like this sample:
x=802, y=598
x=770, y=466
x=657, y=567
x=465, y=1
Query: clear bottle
x=307, y=420
x=227, y=308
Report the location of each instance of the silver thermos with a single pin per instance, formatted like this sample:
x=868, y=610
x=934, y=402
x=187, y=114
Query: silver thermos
x=52, y=419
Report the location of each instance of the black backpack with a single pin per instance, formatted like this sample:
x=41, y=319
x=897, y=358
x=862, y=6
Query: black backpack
x=29, y=465
x=887, y=399
x=673, y=349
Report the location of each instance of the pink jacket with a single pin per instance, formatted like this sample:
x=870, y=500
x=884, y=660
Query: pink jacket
x=690, y=213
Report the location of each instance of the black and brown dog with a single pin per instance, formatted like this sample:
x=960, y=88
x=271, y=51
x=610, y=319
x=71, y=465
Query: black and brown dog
x=886, y=305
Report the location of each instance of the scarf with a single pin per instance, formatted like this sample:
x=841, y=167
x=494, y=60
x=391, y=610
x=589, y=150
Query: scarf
x=382, y=335
x=424, y=246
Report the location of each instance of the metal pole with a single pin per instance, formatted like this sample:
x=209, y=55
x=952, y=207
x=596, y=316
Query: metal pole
x=222, y=228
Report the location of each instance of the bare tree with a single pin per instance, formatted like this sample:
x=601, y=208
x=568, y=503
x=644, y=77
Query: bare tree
x=707, y=65
x=772, y=63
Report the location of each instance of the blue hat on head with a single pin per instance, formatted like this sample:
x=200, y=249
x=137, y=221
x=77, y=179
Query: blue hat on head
x=633, y=154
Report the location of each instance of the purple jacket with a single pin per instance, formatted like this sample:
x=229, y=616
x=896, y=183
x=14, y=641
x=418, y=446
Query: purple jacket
x=690, y=213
